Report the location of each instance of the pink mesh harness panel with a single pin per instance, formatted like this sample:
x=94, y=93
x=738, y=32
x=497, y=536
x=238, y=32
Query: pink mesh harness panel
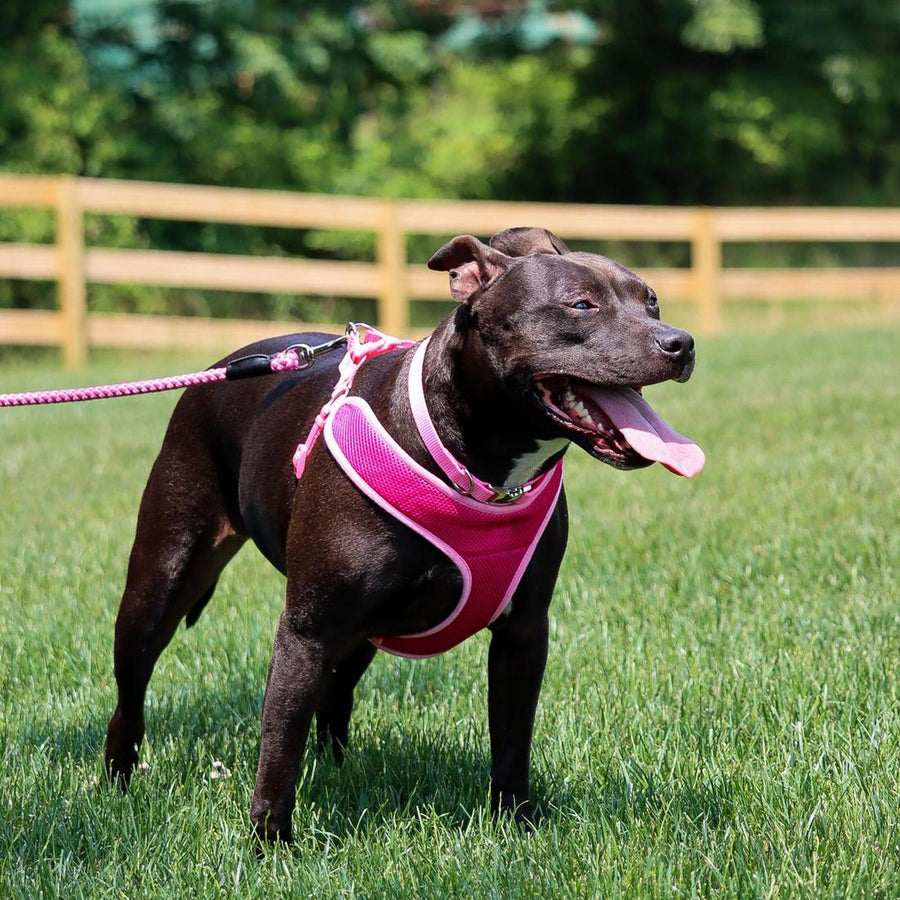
x=491, y=544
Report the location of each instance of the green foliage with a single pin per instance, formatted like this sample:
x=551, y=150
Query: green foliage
x=468, y=137
x=722, y=25
x=719, y=714
x=666, y=101
x=674, y=101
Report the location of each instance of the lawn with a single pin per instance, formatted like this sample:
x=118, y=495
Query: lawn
x=720, y=714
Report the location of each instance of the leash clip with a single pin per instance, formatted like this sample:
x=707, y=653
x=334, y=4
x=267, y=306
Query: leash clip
x=306, y=355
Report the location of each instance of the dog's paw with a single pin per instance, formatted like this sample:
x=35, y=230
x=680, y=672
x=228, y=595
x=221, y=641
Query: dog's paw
x=521, y=812
x=267, y=833
x=119, y=767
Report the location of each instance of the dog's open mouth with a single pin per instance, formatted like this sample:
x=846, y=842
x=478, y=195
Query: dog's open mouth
x=617, y=425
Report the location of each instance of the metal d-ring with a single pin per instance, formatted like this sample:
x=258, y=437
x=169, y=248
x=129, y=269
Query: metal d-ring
x=468, y=491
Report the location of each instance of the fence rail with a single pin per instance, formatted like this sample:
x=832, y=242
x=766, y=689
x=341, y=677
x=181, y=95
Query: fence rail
x=705, y=283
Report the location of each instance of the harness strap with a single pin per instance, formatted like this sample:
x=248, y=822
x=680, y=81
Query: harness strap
x=363, y=342
x=460, y=477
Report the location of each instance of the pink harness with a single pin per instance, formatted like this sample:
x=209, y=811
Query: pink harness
x=488, y=536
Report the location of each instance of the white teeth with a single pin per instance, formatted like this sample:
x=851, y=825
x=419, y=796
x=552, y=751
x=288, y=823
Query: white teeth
x=575, y=407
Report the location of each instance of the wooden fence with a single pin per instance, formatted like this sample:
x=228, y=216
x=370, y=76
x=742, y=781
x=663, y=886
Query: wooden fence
x=390, y=280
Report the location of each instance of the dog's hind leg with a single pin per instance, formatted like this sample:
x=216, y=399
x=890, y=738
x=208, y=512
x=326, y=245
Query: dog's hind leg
x=336, y=704
x=185, y=537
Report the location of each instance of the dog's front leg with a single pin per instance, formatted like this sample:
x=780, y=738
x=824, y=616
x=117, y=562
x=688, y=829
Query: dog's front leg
x=295, y=679
x=516, y=660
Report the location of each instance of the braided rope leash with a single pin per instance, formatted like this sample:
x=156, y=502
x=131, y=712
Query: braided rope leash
x=297, y=356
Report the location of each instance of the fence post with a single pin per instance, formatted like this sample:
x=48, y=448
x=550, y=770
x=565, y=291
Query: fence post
x=71, y=284
x=392, y=302
x=706, y=262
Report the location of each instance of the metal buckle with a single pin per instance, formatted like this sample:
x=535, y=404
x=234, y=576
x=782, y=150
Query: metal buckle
x=501, y=494
x=509, y=495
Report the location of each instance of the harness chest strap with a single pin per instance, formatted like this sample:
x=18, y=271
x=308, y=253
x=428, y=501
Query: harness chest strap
x=491, y=544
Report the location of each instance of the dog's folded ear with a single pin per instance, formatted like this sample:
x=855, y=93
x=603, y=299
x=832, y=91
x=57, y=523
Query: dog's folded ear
x=525, y=241
x=471, y=264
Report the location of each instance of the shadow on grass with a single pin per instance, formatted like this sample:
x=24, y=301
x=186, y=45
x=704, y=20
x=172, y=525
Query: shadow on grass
x=390, y=776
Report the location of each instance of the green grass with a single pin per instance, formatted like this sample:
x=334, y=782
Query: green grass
x=720, y=714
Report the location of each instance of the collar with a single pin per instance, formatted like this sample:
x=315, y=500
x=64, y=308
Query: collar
x=460, y=477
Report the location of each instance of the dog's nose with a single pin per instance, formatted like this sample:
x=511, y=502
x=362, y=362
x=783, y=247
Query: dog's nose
x=676, y=343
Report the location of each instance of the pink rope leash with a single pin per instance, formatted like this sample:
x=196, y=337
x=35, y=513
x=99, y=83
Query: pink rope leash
x=299, y=356
x=100, y=392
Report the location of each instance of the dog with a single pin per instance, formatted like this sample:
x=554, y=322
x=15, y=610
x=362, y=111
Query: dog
x=546, y=348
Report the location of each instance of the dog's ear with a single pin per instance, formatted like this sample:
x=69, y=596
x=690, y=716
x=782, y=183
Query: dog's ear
x=471, y=264
x=525, y=241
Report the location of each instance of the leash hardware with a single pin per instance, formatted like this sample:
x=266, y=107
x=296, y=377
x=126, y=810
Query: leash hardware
x=306, y=355
x=465, y=491
x=501, y=494
x=333, y=344
x=357, y=329
x=510, y=495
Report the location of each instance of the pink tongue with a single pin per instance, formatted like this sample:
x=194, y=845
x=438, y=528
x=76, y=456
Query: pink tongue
x=647, y=433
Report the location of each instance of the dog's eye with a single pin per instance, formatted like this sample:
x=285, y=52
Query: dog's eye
x=580, y=304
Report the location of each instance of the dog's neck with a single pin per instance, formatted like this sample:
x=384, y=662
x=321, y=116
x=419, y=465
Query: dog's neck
x=489, y=428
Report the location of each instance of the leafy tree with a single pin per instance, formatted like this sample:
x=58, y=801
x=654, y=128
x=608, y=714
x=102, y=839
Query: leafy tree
x=631, y=101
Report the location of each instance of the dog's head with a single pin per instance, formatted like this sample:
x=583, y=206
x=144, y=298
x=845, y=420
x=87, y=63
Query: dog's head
x=580, y=335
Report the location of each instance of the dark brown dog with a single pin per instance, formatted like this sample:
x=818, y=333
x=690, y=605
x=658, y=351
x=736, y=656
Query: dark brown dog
x=511, y=379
